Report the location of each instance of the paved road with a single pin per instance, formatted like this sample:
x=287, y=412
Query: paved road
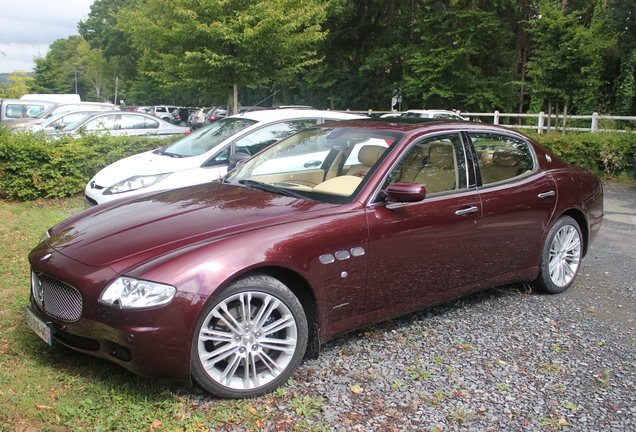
x=607, y=279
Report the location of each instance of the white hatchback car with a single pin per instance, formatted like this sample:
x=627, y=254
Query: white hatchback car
x=203, y=155
x=438, y=114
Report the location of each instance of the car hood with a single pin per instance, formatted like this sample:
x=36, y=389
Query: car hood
x=158, y=223
x=148, y=163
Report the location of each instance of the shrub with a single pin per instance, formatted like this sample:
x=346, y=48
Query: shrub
x=606, y=152
x=34, y=166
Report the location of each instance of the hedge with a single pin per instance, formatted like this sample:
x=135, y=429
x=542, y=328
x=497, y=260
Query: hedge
x=603, y=152
x=33, y=166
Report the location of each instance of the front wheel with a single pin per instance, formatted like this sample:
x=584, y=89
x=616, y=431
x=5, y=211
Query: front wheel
x=560, y=257
x=249, y=339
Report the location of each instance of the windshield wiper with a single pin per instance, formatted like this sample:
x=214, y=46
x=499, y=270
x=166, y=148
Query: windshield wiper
x=267, y=187
x=167, y=153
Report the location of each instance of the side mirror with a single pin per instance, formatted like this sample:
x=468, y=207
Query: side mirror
x=237, y=159
x=60, y=126
x=405, y=192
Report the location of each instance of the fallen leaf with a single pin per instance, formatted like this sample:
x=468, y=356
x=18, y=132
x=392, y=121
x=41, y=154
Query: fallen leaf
x=44, y=407
x=355, y=389
x=154, y=424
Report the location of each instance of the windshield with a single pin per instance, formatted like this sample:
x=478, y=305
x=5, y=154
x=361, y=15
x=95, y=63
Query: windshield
x=44, y=113
x=328, y=164
x=72, y=125
x=208, y=137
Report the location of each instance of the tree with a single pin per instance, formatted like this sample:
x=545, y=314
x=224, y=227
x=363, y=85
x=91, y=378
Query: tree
x=625, y=86
x=49, y=77
x=363, y=54
x=18, y=85
x=94, y=68
x=463, y=56
x=567, y=57
x=622, y=14
x=212, y=44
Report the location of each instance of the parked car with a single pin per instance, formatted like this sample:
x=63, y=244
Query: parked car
x=197, y=119
x=440, y=114
x=162, y=111
x=54, y=123
x=215, y=114
x=233, y=283
x=144, y=109
x=121, y=123
x=202, y=156
x=181, y=115
x=63, y=108
x=19, y=110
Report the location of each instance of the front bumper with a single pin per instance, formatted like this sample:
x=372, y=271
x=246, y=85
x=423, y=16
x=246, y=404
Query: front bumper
x=152, y=342
x=147, y=351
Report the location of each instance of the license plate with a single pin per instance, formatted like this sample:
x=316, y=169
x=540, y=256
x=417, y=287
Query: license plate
x=38, y=326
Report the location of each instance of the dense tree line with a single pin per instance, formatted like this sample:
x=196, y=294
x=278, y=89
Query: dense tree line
x=472, y=55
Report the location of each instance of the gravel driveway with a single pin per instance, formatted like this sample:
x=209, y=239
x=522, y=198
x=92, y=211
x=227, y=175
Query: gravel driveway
x=506, y=359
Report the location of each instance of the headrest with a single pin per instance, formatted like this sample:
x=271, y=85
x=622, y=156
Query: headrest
x=441, y=155
x=369, y=154
x=506, y=157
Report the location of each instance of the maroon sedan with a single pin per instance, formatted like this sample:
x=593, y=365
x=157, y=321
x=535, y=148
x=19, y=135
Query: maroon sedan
x=334, y=228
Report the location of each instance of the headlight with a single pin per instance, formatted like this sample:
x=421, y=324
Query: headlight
x=45, y=237
x=134, y=183
x=129, y=293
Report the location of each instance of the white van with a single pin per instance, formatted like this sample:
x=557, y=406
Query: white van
x=59, y=98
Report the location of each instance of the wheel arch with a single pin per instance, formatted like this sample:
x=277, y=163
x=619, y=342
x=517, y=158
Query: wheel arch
x=580, y=219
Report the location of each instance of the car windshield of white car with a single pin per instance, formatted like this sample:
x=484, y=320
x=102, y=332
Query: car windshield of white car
x=205, y=139
x=325, y=164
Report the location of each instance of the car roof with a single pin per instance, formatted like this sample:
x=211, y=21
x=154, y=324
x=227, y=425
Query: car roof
x=431, y=111
x=85, y=111
x=421, y=125
x=283, y=114
x=91, y=116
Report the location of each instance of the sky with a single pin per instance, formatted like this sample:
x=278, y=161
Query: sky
x=28, y=29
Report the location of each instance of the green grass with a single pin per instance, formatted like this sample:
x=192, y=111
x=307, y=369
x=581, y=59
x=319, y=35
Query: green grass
x=56, y=389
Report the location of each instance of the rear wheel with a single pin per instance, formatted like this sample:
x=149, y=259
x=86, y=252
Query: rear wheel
x=561, y=256
x=249, y=339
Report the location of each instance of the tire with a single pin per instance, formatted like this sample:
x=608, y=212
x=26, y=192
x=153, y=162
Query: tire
x=225, y=350
x=561, y=256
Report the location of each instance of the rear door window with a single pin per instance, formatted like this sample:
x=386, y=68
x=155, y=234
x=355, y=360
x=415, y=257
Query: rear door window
x=501, y=157
x=105, y=122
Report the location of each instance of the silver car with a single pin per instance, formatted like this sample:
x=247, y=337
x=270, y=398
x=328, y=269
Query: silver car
x=122, y=123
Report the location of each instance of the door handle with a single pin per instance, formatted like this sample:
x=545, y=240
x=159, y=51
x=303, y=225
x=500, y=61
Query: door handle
x=465, y=211
x=546, y=194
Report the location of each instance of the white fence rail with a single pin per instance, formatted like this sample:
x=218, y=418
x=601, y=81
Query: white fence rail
x=546, y=123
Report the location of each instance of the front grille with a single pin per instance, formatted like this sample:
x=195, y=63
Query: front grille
x=56, y=298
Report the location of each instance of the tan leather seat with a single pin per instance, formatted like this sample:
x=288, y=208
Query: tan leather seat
x=367, y=156
x=438, y=175
x=505, y=165
x=412, y=165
